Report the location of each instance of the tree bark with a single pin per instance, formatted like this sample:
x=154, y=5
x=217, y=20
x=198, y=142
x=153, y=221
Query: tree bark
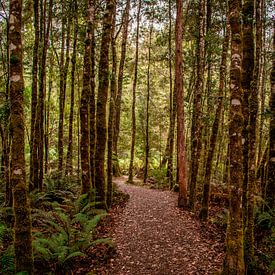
x=120, y=85
x=181, y=154
x=234, y=258
x=196, y=130
x=133, y=139
x=21, y=207
x=103, y=79
x=215, y=128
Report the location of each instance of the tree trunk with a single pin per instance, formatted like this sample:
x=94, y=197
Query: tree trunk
x=133, y=141
x=147, y=145
x=120, y=85
x=215, y=128
x=84, y=103
x=21, y=207
x=181, y=154
x=196, y=131
x=103, y=79
x=113, y=89
x=69, y=161
x=270, y=187
x=234, y=258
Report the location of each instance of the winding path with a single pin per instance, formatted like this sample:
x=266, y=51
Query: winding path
x=153, y=236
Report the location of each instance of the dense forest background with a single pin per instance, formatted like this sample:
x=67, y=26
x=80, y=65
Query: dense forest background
x=178, y=94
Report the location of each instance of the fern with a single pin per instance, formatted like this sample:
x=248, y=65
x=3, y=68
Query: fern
x=7, y=261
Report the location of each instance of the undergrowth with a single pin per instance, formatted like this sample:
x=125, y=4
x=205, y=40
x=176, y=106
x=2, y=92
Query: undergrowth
x=63, y=225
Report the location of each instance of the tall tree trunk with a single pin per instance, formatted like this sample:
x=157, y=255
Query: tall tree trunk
x=181, y=154
x=103, y=79
x=21, y=207
x=270, y=187
x=215, y=128
x=133, y=140
x=147, y=145
x=196, y=131
x=173, y=109
x=42, y=87
x=69, y=161
x=63, y=68
x=92, y=106
x=84, y=103
x=34, y=86
x=113, y=89
x=234, y=258
x=120, y=85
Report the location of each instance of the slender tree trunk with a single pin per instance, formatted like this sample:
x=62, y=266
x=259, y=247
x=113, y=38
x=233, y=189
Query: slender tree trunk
x=113, y=89
x=34, y=86
x=214, y=134
x=21, y=207
x=196, y=131
x=84, y=103
x=120, y=85
x=103, y=79
x=147, y=145
x=234, y=258
x=92, y=104
x=133, y=141
x=181, y=154
x=69, y=161
x=270, y=187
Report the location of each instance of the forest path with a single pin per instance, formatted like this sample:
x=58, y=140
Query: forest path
x=153, y=236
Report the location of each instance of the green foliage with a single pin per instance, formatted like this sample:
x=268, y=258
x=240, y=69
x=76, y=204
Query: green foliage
x=265, y=220
x=7, y=265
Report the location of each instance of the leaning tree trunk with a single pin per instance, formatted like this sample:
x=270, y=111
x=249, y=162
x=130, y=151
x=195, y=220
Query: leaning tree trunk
x=181, y=154
x=21, y=206
x=234, y=258
x=103, y=85
x=196, y=132
x=133, y=141
x=120, y=85
x=215, y=129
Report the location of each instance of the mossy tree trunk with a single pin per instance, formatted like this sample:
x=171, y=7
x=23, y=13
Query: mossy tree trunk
x=84, y=103
x=181, y=154
x=215, y=129
x=234, y=258
x=21, y=207
x=196, y=130
x=133, y=138
x=103, y=85
x=118, y=97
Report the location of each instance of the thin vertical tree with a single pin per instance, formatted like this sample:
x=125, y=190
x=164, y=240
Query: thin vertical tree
x=21, y=207
x=215, y=128
x=270, y=204
x=147, y=145
x=196, y=130
x=113, y=88
x=234, y=258
x=133, y=139
x=84, y=103
x=69, y=160
x=103, y=86
x=119, y=93
x=181, y=154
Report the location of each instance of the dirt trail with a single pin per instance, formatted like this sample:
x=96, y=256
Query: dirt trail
x=153, y=236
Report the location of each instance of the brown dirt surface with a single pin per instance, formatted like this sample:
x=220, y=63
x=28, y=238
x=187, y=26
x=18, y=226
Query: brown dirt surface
x=153, y=236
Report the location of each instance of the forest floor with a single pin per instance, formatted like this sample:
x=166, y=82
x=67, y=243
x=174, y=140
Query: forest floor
x=153, y=236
